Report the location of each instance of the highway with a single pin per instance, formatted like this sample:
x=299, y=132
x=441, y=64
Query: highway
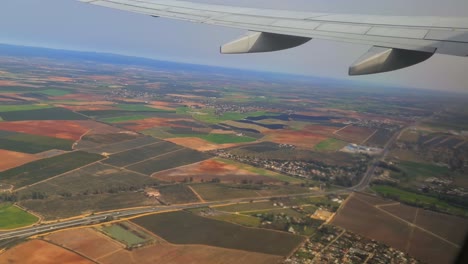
x=93, y=219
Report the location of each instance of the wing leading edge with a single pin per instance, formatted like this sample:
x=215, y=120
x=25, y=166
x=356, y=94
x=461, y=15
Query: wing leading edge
x=398, y=41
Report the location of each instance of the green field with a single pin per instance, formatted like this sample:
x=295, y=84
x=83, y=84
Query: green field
x=124, y=235
x=418, y=199
x=214, y=192
x=121, y=119
x=23, y=107
x=55, y=92
x=140, y=108
x=31, y=144
x=43, y=169
x=187, y=228
x=246, y=207
x=208, y=115
x=42, y=114
x=415, y=169
x=330, y=144
x=240, y=219
x=13, y=217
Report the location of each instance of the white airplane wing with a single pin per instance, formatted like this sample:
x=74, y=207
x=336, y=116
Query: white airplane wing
x=397, y=41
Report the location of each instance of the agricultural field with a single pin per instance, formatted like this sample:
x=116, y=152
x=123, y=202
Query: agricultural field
x=123, y=145
x=330, y=145
x=14, y=217
x=355, y=134
x=187, y=228
x=219, y=138
x=38, y=251
x=380, y=138
x=46, y=168
x=374, y=218
x=136, y=155
x=177, y=194
x=31, y=144
x=169, y=160
x=303, y=138
x=58, y=207
x=413, y=198
x=123, y=119
x=214, y=192
x=22, y=107
x=63, y=129
x=127, y=234
x=93, y=179
x=108, y=138
x=11, y=159
x=42, y=114
x=225, y=171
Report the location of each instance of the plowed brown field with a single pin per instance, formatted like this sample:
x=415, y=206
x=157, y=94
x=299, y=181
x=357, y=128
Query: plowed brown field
x=305, y=139
x=71, y=130
x=11, y=159
x=198, y=144
x=41, y=252
x=210, y=169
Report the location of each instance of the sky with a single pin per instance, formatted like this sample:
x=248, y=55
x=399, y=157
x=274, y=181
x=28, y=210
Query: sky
x=69, y=24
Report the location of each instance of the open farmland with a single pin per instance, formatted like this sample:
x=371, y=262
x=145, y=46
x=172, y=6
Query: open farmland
x=38, y=251
x=129, y=157
x=21, y=107
x=58, y=207
x=380, y=138
x=14, y=217
x=177, y=194
x=46, y=168
x=330, y=145
x=198, y=143
x=11, y=159
x=94, y=179
x=219, y=138
x=404, y=229
x=123, y=145
x=31, y=144
x=127, y=234
x=71, y=130
x=99, y=248
x=85, y=241
x=224, y=170
x=187, y=228
x=305, y=139
x=42, y=114
x=169, y=160
x=355, y=134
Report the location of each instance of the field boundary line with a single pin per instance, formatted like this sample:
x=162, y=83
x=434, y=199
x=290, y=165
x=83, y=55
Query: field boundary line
x=336, y=132
x=125, y=169
x=365, y=140
x=389, y=204
x=327, y=246
x=59, y=175
x=411, y=224
x=109, y=254
x=81, y=137
x=181, y=166
x=410, y=238
x=142, y=146
x=162, y=155
x=196, y=194
x=112, y=144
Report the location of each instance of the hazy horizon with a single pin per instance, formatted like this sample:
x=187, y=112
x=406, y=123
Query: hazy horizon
x=72, y=25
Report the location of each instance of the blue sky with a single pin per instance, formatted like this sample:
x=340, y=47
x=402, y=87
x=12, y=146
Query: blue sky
x=69, y=24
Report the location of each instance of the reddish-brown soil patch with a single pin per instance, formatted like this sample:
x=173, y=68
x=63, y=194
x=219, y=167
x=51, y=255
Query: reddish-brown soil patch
x=87, y=107
x=59, y=129
x=194, y=254
x=11, y=159
x=85, y=241
x=41, y=252
x=72, y=130
x=355, y=134
x=305, y=139
x=13, y=83
x=139, y=125
x=428, y=236
x=198, y=144
x=59, y=79
x=86, y=98
x=208, y=170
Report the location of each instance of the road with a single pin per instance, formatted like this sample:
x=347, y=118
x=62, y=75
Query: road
x=364, y=183
x=92, y=219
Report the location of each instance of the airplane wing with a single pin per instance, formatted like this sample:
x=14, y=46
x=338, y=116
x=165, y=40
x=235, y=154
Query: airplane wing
x=397, y=41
